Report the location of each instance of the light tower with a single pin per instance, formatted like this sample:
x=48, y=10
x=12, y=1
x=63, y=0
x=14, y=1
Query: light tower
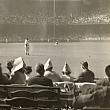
x=54, y=15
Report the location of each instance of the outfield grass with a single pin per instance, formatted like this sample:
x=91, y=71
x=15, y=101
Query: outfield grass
x=96, y=53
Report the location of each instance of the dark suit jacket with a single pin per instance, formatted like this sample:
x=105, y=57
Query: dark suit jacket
x=40, y=80
x=86, y=76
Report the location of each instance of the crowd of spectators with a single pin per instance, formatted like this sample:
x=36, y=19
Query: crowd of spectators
x=69, y=38
x=19, y=73
x=62, y=21
x=103, y=18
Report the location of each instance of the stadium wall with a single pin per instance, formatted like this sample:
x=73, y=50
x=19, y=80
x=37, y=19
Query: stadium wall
x=64, y=33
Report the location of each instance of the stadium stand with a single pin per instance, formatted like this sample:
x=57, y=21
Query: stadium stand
x=78, y=21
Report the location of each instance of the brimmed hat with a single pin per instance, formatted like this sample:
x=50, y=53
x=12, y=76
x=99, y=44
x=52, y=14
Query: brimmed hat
x=18, y=64
x=66, y=68
x=48, y=64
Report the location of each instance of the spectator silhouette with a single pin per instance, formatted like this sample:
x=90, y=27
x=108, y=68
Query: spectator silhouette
x=3, y=77
x=105, y=81
x=39, y=77
x=18, y=72
x=10, y=65
x=49, y=73
x=87, y=75
x=67, y=73
x=28, y=71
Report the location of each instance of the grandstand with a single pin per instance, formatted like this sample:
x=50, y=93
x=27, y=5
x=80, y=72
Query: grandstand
x=72, y=19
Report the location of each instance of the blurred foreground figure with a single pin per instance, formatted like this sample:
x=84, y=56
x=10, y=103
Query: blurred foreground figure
x=49, y=73
x=3, y=77
x=39, y=78
x=98, y=98
x=27, y=46
x=105, y=81
x=67, y=73
x=87, y=75
x=9, y=66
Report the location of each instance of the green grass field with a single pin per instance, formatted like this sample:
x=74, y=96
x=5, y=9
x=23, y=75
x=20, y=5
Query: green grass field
x=96, y=53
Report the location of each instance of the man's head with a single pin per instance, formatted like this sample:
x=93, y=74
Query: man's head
x=39, y=69
x=10, y=64
x=28, y=69
x=84, y=65
x=107, y=70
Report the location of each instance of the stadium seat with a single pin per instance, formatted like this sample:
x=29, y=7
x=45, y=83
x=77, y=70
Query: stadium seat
x=21, y=93
x=66, y=100
x=38, y=93
x=12, y=88
x=3, y=94
x=47, y=99
x=22, y=103
x=5, y=107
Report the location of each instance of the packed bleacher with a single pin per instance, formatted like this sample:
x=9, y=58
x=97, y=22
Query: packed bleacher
x=99, y=15
x=48, y=90
x=79, y=20
x=103, y=18
x=78, y=27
